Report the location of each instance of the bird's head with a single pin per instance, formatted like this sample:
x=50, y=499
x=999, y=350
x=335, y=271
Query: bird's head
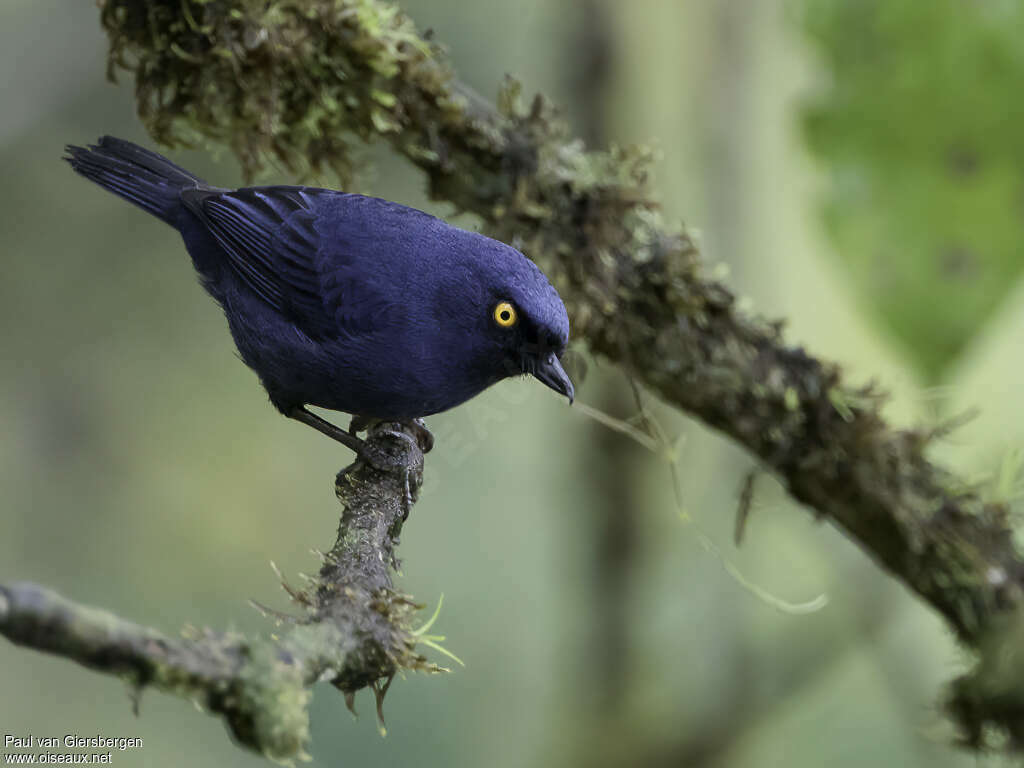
x=530, y=325
x=519, y=317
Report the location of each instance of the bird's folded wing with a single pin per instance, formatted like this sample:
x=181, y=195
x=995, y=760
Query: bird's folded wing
x=270, y=239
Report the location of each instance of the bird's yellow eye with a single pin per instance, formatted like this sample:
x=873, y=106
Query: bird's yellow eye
x=505, y=314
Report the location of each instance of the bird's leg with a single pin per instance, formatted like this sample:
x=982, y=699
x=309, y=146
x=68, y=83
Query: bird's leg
x=299, y=413
x=378, y=459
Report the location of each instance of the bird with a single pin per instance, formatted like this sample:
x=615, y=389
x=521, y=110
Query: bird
x=347, y=302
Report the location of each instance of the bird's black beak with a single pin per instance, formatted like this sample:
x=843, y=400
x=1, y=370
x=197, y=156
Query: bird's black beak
x=551, y=372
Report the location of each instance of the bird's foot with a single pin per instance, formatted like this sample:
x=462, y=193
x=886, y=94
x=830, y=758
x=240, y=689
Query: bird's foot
x=424, y=437
x=392, y=456
x=398, y=453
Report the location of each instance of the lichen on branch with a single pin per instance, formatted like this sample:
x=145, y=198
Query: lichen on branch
x=287, y=79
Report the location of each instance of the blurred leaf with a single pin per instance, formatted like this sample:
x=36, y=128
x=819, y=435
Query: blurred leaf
x=919, y=127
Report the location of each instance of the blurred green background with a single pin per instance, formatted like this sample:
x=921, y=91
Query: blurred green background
x=143, y=469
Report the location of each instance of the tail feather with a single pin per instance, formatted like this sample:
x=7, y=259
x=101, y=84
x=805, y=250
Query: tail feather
x=140, y=176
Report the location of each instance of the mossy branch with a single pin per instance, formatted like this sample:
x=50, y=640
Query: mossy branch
x=353, y=628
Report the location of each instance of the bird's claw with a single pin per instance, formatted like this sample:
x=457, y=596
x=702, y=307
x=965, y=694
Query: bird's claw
x=390, y=455
x=424, y=437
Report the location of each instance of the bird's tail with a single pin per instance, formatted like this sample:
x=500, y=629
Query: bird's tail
x=140, y=176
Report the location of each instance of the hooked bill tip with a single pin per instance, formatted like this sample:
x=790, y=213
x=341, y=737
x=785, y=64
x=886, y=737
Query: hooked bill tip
x=551, y=373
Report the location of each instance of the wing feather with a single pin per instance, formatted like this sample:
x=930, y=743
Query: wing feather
x=270, y=238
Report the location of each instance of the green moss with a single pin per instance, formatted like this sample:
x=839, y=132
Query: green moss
x=326, y=70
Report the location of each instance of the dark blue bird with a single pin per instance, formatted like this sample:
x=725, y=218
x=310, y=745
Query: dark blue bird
x=347, y=302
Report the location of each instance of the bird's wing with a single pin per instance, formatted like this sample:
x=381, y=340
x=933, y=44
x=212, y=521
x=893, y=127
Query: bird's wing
x=270, y=238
